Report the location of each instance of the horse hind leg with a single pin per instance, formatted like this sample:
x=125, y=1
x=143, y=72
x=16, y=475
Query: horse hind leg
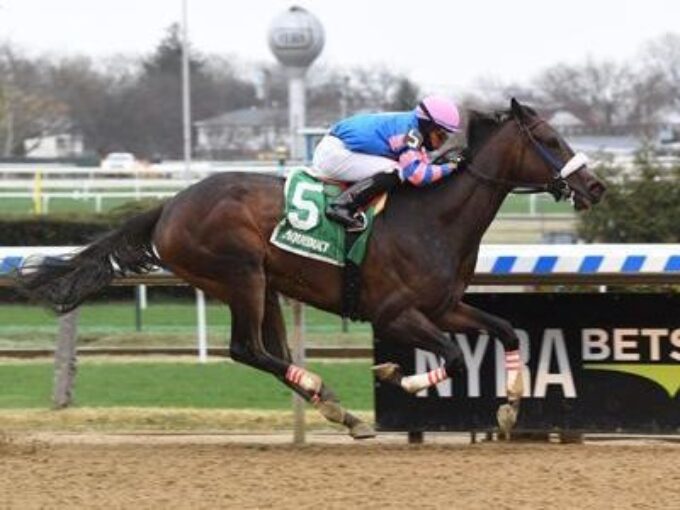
x=414, y=329
x=258, y=335
x=324, y=400
x=258, y=339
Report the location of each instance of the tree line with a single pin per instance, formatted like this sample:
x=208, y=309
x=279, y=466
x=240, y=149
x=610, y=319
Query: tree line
x=606, y=93
x=134, y=104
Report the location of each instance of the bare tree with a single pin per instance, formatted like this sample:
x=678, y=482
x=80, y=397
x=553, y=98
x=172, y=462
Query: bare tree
x=663, y=59
x=95, y=96
x=28, y=110
x=372, y=88
x=156, y=95
x=651, y=94
x=490, y=93
x=341, y=91
x=598, y=93
x=406, y=95
x=135, y=104
x=655, y=84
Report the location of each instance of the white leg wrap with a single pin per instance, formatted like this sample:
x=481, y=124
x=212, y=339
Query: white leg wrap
x=308, y=381
x=417, y=382
x=513, y=375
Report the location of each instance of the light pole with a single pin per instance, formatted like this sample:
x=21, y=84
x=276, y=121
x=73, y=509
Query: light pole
x=186, y=136
x=186, y=92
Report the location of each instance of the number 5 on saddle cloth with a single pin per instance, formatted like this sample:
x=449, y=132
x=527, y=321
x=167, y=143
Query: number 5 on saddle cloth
x=306, y=231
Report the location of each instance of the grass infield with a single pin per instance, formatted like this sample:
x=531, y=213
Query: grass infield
x=172, y=384
x=168, y=323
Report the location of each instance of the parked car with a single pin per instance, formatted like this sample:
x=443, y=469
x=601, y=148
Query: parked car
x=119, y=161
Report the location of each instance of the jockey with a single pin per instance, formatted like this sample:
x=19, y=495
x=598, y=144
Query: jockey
x=379, y=151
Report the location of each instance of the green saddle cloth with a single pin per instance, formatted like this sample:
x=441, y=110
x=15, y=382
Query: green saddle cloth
x=305, y=229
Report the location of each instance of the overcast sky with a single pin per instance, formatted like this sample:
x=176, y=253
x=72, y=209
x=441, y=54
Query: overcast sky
x=439, y=43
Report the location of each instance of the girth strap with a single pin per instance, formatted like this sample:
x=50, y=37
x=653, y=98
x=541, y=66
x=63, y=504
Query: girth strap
x=351, y=280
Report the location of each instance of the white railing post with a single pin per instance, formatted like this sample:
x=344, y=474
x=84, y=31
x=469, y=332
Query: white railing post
x=142, y=296
x=37, y=193
x=201, y=329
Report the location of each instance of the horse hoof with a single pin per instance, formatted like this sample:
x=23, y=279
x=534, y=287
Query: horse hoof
x=362, y=431
x=389, y=372
x=507, y=418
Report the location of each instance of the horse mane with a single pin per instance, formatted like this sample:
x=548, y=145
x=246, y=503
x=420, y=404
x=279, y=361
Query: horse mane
x=482, y=125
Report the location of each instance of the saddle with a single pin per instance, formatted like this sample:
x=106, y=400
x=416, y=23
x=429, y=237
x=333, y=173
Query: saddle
x=305, y=230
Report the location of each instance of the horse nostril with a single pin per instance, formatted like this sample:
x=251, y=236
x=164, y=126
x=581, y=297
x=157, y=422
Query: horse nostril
x=596, y=189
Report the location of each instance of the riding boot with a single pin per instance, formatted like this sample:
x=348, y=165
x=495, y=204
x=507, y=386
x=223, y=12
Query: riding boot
x=344, y=208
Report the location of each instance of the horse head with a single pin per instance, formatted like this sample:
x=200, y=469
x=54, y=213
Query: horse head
x=535, y=157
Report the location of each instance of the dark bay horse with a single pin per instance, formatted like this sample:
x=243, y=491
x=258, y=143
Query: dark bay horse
x=422, y=254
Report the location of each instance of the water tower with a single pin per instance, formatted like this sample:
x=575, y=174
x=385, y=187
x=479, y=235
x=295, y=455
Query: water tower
x=296, y=38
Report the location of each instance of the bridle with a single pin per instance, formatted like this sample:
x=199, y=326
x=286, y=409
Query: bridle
x=558, y=187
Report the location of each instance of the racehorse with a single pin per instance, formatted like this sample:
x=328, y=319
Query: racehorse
x=419, y=261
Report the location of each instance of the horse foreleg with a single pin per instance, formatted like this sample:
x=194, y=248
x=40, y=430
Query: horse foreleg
x=465, y=318
x=414, y=329
x=314, y=389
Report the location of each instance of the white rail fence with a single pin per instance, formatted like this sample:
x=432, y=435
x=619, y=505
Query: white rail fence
x=42, y=184
x=497, y=264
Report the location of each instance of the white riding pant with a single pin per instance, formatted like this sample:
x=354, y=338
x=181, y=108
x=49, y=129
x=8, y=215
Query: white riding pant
x=332, y=160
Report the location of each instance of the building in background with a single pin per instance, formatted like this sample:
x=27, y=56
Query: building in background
x=242, y=133
x=55, y=145
x=251, y=133
x=620, y=139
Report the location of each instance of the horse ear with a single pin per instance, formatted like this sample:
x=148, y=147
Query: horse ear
x=516, y=109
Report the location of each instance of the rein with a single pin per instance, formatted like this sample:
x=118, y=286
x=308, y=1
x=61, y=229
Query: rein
x=558, y=187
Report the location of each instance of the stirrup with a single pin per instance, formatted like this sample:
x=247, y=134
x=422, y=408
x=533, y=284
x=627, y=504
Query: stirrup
x=360, y=216
x=356, y=222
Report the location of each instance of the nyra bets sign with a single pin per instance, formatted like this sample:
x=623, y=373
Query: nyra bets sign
x=592, y=362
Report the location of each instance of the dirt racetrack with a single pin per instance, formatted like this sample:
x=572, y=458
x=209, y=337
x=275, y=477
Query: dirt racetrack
x=132, y=471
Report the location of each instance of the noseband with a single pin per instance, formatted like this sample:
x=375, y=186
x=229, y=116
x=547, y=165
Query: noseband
x=558, y=186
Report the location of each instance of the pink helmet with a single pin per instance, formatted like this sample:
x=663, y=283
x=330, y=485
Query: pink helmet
x=440, y=110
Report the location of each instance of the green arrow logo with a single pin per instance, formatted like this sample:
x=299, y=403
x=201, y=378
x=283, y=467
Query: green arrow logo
x=666, y=376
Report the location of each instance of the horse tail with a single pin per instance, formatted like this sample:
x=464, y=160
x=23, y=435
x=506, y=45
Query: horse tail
x=63, y=284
